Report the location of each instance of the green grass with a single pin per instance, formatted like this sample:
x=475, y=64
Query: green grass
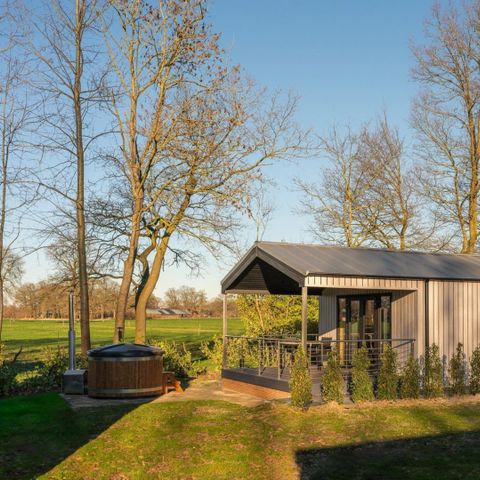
x=34, y=335
x=40, y=435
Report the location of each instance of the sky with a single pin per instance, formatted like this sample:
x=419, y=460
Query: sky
x=348, y=60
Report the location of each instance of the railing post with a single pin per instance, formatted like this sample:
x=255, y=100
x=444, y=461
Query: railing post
x=279, y=360
x=260, y=353
x=225, y=328
x=304, y=318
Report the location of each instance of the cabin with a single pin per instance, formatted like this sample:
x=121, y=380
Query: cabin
x=366, y=297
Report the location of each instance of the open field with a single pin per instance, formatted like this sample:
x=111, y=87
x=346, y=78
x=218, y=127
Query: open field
x=41, y=435
x=34, y=335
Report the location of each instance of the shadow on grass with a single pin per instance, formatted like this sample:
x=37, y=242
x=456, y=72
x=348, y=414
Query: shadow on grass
x=452, y=456
x=39, y=431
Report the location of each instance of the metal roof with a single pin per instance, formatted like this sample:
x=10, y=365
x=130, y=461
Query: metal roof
x=301, y=260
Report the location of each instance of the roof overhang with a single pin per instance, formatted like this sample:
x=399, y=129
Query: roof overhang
x=259, y=272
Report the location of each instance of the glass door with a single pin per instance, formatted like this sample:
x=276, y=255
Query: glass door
x=363, y=319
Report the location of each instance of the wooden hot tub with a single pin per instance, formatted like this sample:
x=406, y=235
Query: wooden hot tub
x=125, y=370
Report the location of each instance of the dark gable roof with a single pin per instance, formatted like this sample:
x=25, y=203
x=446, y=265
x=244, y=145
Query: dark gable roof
x=302, y=260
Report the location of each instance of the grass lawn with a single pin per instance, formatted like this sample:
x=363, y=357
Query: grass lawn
x=40, y=435
x=34, y=335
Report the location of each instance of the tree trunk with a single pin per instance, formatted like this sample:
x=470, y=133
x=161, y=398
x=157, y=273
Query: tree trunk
x=147, y=290
x=80, y=200
x=128, y=267
x=1, y=308
x=3, y=211
x=473, y=210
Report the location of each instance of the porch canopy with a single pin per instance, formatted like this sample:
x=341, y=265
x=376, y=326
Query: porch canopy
x=301, y=269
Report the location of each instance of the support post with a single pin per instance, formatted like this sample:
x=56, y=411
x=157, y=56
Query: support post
x=71, y=332
x=225, y=328
x=304, y=318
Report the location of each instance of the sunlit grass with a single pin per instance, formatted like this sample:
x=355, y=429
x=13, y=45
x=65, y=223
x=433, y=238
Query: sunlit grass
x=216, y=440
x=34, y=335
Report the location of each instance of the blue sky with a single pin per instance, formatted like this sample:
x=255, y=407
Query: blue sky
x=348, y=60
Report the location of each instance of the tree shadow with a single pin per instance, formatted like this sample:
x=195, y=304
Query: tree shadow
x=437, y=457
x=39, y=431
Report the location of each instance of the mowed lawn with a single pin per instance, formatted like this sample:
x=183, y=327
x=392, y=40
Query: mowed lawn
x=34, y=335
x=41, y=437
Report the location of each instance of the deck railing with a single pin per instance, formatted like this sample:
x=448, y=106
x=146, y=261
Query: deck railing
x=277, y=352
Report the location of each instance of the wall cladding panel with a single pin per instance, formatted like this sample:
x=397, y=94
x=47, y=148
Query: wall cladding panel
x=454, y=315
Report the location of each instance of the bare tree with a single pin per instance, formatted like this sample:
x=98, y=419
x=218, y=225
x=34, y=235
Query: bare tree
x=160, y=48
x=368, y=194
x=446, y=117
x=338, y=202
x=225, y=134
x=188, y=298
x=71, y=81
x=261, y=211
x=171, y=298
x=394, y=216
x=15, y=119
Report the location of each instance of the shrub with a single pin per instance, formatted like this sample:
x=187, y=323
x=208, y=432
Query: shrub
x=410, y=382
x=332, y=380
x=387, y=377
x=300, y=381
x=8, y=374
x=475, y=372
x=178, y=359
x=362, y=388
x=54, y=365
x=241, y=352
x=432, y=373
x=457, y=371
x=213, y=351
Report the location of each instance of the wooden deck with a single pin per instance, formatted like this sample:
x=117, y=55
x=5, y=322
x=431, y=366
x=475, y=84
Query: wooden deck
x=268, y=379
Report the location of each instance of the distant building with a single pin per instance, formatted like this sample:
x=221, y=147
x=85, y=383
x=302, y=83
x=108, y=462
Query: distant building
x=167, y=313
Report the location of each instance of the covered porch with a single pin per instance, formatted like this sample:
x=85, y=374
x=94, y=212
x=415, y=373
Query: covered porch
x=353, y=311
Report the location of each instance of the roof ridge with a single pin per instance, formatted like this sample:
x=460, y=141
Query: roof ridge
x=375, y=249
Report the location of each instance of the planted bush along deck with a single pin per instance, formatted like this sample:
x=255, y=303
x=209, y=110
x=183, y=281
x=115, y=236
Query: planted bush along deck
x=300, y=381
x=387, y=388
x=333, y=385
x=433, y=373
x=475, y=372
x=457, y=371
x=362, y=388
x=410, y=379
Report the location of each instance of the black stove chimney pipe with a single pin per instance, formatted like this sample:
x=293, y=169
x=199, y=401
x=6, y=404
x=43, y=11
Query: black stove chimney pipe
x=71, y=333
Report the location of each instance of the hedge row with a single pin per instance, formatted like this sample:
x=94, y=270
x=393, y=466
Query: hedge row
x=413, y=381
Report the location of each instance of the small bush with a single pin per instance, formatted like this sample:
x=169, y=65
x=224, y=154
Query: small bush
x=362, y=388
x=8, y=374
x=213, y=351
x=410, y=381
x=432, y=373
x=241, y=352
x=475, y=372
x=332, y=380
x=457, y=371
x=387, y=376
x=300, y=381
x=178, y=359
